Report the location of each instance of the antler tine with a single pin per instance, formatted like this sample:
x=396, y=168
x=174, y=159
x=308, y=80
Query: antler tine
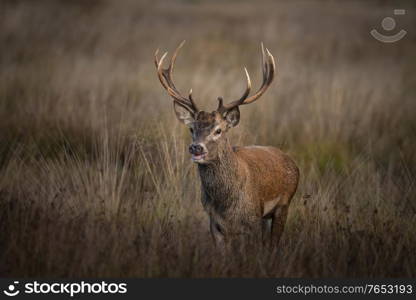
x=267, y=80
x=221, y=108
x=166, y=79
x=263, y=62
x=158, y=64
x=268, y=68
x=168, y=83
x=173, y=60
x=191, y=99
x=248, y=87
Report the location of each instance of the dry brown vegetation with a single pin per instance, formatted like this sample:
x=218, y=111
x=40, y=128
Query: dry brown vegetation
x=95, y=178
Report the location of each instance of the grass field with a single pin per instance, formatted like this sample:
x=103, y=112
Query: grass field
x=95, y=177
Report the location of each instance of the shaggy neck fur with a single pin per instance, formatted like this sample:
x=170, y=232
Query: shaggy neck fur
x=219, y=178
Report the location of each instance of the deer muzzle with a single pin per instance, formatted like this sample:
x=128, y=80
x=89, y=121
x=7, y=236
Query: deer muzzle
x=198, y=151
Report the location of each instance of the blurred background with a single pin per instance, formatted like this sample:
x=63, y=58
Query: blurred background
x=95, y=178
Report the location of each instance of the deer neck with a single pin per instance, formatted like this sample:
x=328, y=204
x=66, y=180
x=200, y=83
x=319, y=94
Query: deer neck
x=219, y=178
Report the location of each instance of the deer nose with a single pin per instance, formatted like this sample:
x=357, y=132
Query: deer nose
x=196, y=149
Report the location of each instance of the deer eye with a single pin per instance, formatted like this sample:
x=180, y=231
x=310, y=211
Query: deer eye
x=218, y=131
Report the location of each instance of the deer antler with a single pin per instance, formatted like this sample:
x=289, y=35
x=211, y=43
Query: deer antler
x=166, y=79
x=268, y=67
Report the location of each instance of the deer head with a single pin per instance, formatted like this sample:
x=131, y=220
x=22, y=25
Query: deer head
x=208, y=129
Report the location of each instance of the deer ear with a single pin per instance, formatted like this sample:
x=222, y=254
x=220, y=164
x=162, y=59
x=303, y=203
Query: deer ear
x=183, y=114
x=232, y=117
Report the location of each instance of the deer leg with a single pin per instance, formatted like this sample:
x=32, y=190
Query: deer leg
x=250, y=232
x=266, y=230
x=278, y=224
x=217, y=236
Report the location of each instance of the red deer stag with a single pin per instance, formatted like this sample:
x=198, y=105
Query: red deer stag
x=242, y=187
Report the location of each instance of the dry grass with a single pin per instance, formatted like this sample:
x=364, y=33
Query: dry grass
x=95, y=179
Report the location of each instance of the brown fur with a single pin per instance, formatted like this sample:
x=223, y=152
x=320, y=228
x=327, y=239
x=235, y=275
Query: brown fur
x=241, y=186
x=244, y=187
